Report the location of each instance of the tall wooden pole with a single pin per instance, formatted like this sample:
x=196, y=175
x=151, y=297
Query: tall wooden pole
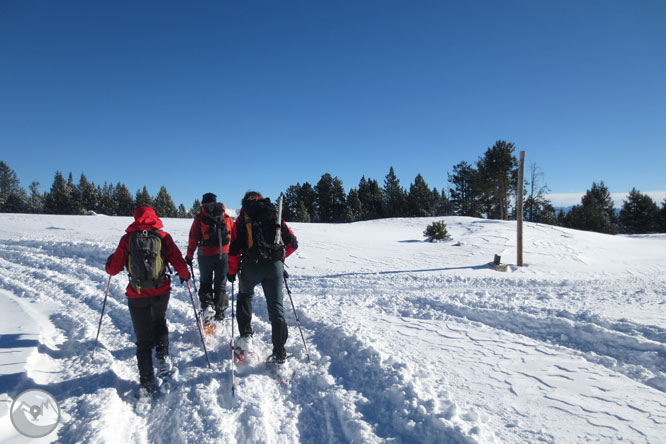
x=519, y=207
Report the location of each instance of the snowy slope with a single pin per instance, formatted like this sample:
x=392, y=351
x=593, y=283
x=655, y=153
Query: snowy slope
x=410, y=341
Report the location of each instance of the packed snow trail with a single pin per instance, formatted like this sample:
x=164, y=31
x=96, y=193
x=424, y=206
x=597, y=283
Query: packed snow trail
x=410, y=341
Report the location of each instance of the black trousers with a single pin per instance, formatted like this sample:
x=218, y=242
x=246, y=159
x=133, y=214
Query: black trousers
x=150, y=328
x=269, y=275
x=213, y=280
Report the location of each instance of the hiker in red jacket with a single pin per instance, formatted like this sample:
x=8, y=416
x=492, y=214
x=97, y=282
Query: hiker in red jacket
x=144, y=250
x=259, y=260
x=210, y=232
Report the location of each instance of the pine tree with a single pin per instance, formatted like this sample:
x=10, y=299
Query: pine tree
x=595, y=213
x=36, y=201
x=308, y=196
x=465, y=193
x=12, y=197
x=561, y=218
x=123, y=200
x=372, y=199
x=540, y=211
x=88, y=195
x=298, y=196
x=196, y=208
x=324, y=190
x=58, y=199
x=339, y=201
x=662, y=217
x=302, y=214
x=639, y=214
x=441, y=205
x=498, y=173
x=182, y=212
x=394, y=196
x=75, y=206
x=144, y=199
x=164, y=206
x=420, y=198
x=575, y=218
x=291, y=204
x=354, y=210
x=107, y=201
x=436, y=231
x=598, y=208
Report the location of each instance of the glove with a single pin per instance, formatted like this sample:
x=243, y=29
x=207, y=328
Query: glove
x=285, y=274
x=188, y=260
x=231, y=277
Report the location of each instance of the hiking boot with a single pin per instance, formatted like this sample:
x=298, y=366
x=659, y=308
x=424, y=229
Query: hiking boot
x=148, y=389
x=219, y=316
x=245, y=344
x=164, y=365
x=279, y=357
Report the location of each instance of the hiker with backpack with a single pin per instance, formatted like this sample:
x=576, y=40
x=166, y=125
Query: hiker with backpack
x=145, y=250
x=259, y=245
x=211, y=232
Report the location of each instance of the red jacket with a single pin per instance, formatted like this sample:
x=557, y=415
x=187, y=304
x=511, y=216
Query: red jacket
x=146, y=219
x=195, y=237
x=291, y=244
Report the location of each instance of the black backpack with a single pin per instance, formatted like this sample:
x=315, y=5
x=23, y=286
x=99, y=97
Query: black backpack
x=145, y=261
x=261, y=225
x=213, y=227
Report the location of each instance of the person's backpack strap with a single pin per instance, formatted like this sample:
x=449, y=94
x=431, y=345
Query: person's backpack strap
x=248, y=228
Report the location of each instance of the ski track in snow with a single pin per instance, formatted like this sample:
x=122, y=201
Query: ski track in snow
x=424, y=353
x=70, y=278
x=635, y=351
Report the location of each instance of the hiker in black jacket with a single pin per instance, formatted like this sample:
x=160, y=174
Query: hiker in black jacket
x=259, y=260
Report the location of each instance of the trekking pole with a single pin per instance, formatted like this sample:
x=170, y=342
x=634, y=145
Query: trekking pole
x=99, y=327
x=233, y=364
x=196, y=316
x=194, y=282
x=298, y=321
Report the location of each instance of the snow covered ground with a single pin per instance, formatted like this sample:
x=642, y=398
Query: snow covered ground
x=410, y=341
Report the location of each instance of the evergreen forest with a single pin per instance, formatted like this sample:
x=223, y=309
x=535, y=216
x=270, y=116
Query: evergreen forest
x=485, y=189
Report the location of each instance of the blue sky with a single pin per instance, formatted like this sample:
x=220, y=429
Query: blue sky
x=227, y=96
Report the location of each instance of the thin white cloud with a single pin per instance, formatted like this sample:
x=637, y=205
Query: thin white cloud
x=570, y=199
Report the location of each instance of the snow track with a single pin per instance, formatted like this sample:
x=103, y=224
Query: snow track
x=68, y=278
x=407, y=344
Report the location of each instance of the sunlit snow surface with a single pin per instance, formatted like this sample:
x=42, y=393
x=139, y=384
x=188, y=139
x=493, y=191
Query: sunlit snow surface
x=410, y=341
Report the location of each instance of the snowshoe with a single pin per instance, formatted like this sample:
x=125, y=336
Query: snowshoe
x=244, y=352
x=279, y=368
x=145, y=398
x=207, y=318
x=167, y=381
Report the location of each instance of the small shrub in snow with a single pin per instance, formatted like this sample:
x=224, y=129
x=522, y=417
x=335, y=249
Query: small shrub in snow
x=436, y=231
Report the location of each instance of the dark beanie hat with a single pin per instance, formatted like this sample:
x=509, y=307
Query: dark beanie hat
x=250, y=195
x=209, y=198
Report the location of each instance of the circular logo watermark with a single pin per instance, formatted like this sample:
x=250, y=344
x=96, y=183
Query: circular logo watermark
x=35, y=413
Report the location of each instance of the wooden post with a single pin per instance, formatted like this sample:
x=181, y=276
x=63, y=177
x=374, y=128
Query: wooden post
x=519, y=207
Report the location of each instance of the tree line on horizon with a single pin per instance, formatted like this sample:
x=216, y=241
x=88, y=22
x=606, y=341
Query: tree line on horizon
x=485, y=189
x=67, y=197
